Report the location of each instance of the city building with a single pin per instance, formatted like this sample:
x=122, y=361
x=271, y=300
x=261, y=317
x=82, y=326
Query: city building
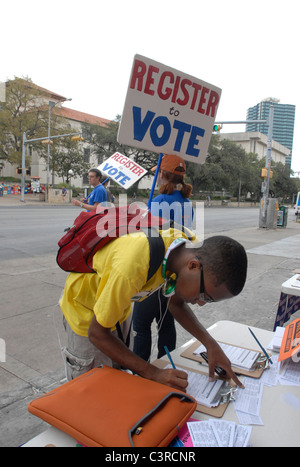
x=256, y=142
x=283, y=124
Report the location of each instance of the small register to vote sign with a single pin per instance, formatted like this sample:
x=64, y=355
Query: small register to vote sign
x=167, y=111
x=122, y=170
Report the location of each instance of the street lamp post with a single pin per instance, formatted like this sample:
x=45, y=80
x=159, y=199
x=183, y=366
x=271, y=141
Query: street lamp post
x=51, y=105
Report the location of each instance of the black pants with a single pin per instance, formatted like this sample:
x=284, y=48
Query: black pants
x=143, y=315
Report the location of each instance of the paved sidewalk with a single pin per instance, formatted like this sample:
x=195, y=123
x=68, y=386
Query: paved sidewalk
x=34, y=364
x=29, y=200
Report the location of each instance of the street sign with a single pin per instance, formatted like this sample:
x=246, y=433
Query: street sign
x=122, y=170
x=167, y=111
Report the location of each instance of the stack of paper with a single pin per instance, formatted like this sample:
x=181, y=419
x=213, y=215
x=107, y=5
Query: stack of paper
x=275, y=344
x=205, y=392
x=218, y=433
x=240, y=358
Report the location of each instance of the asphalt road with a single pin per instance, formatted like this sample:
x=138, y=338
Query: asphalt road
x=35, y=230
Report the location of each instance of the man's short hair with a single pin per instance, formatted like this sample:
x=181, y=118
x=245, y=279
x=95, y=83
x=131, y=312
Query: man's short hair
x=226, y=259
x=97, y=172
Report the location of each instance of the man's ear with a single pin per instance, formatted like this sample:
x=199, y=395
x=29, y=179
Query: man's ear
x=193, y=264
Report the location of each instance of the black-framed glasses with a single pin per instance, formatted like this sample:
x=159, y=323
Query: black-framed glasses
x=202, y=296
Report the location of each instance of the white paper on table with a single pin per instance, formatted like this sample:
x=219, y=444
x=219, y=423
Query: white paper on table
x=238, y=356
x=219, y=433
x=242, y=435
x=290, y=375
x=202, y=434
x=199, y=387
x=248, y=419
x=270, y=375
x=248, y=400
x=224, y=432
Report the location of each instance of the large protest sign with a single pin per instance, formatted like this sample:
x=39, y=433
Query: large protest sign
x=167, y=111
x=122, y=170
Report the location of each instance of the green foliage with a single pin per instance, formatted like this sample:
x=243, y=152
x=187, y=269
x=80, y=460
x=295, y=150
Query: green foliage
x=68, y=155
x=19, y=113
x=228, y=167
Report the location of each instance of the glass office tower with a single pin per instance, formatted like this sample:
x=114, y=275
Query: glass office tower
x=283, y=125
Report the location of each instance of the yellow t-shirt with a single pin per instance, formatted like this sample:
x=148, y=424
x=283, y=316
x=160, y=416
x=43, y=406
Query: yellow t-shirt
x=121, y=274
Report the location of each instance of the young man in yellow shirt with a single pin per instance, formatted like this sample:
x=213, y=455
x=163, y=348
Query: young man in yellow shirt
x=93, y=303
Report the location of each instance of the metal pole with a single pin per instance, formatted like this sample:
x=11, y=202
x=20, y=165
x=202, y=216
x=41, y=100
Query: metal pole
x=23, y=168
x=51, y=104
x=268, y=163
x=241, y=121
x=52, y=137
x=154, y=180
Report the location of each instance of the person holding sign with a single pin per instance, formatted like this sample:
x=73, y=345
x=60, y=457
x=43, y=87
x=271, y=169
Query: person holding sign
x=171, y=204
x=94, y=303
x=98, y=194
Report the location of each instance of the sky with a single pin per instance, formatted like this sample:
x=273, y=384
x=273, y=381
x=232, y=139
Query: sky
x=84, y=50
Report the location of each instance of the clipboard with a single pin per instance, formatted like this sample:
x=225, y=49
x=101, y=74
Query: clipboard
x=218, y=411
x=189, y=353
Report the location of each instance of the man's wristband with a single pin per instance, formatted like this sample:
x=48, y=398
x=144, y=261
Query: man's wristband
x=81, y=205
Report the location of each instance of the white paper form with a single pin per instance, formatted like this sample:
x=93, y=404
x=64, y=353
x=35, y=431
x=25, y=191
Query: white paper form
x=201, y=388
x=224, y=432
x=270, y=375
x=242, y=436
x=290, y=375
x=202, y=434
x=248, y=419
x=239, y=357
x=248, y=400
x=219, y=433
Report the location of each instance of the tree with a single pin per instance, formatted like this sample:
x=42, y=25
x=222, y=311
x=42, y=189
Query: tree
x=21, y=112
x=25, y=111
x=283, y=185
x=105, y=144
x=68, y=156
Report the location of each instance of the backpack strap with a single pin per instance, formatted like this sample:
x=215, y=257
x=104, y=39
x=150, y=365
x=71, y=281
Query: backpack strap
x=157, y=253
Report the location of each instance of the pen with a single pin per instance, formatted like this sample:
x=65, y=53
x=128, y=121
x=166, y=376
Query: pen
x=169, y=357
x=268, y=357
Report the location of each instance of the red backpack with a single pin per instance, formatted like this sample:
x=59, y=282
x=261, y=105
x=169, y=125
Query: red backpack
x=92, y=230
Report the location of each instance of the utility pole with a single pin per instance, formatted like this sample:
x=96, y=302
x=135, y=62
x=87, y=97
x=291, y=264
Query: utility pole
x=266, y=186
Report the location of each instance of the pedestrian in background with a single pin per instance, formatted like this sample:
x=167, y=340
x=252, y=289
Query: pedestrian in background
x=171, y=204
x=98, y=194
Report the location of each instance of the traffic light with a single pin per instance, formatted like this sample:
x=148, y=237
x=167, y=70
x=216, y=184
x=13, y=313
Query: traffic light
x=264, y=173
x=19, y=170
x=77, y=138
x=217, y=127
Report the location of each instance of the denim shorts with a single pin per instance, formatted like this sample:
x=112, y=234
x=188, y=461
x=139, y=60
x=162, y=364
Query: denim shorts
x=80, y=354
